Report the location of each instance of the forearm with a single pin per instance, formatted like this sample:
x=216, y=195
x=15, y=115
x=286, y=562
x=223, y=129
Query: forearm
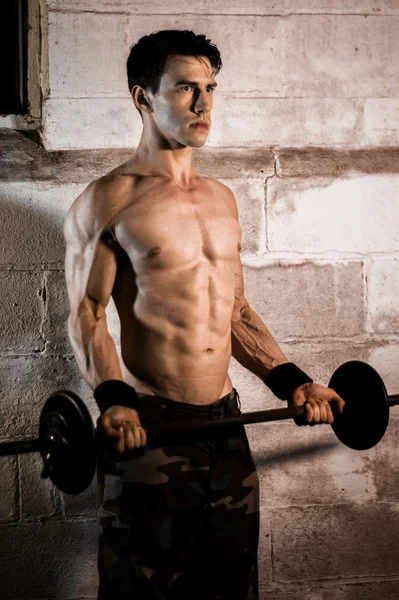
x=93, y=348
x=252, y=345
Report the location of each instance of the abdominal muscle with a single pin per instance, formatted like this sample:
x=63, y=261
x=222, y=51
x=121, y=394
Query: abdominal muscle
x=175, y=338
x=157, y=368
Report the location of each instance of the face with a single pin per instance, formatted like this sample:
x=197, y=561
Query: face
x=185, y=97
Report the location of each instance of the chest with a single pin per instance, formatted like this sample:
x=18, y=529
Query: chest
x=171, y=229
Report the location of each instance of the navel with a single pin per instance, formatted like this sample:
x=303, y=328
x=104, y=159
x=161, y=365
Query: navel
x=239, y=246
x=154, y=251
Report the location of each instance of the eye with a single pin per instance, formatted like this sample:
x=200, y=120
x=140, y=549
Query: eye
x=185, y=87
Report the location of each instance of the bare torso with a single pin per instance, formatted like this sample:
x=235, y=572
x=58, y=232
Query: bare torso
x=174, y=289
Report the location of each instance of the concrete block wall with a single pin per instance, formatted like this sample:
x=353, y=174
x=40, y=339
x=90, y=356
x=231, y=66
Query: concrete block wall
x=296, y=73
x=308, y=141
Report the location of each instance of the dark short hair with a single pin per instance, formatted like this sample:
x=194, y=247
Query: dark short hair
x=147, y=58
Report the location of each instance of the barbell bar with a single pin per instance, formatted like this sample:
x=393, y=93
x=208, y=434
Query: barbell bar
x=68, y=441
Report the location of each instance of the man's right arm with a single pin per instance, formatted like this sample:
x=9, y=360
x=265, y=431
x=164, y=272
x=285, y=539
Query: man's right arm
x=90, y=271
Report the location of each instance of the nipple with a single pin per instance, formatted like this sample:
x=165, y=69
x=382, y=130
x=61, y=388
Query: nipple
x=154, y=251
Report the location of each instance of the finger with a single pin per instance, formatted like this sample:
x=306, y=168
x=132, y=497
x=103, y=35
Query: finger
x=338, y=405
x=136, y=433
x=308, y=416
x=330, y=416
x=132, y=436
x=120, y=446
x=316, y=417
x=143, y=436
x=322, y=405
x=130, y=441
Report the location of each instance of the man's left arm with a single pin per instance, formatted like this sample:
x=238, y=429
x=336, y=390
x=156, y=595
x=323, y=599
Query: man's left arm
x=253, y=346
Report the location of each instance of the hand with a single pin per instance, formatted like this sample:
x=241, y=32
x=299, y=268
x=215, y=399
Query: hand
x=122, y=426
x=317, y=408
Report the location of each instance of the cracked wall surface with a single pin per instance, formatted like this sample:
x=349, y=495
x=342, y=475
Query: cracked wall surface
x=305, y=132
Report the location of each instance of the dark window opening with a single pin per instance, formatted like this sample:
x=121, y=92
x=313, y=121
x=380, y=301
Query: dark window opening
x=13, y=52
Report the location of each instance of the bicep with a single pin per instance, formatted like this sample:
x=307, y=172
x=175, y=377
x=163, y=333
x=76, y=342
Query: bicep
x=90, y=266
x=239, y=294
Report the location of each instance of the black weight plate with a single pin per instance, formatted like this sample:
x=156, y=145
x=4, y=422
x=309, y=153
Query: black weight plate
x=73, y=451
x=366, y=413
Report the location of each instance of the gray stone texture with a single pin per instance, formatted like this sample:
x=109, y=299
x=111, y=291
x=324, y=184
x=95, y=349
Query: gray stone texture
x=81, y=505
x=31, y=226
x=384, y=466
x=265, y=562
x=55, y=327
x=383, y=278
x=362, y=7
x=335, y=541
x=24, y=159
x=335, y=162
x=308, y=300
x=26, y=383
x=9, y=488
x=331, y=216
x=48, y=559
x=39, y=497
x=308, y=466
x=363, y=590
x=22, y=311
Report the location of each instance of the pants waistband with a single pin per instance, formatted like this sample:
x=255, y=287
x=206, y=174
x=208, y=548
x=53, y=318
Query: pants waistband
x=227, y=405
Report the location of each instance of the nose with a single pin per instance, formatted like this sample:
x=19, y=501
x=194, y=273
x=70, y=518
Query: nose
x=202, y=104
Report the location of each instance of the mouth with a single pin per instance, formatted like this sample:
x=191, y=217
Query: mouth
x=201, y=126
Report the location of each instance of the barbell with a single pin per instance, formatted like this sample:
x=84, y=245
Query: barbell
x=68, y=441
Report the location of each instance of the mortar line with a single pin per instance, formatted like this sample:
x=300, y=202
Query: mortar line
x=43, y=295
x=55, y=9
x=367, y=296
x=308, y=584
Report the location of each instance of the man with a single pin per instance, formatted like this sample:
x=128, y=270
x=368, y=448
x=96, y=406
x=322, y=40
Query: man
x=178, y=519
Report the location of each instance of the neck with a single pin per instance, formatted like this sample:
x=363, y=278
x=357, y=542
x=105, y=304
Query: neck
x=159, y=158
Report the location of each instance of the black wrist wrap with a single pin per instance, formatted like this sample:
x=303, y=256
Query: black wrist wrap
x=115, y=392
x=284, y=379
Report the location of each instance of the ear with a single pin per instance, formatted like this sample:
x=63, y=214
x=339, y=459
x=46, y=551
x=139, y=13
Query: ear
x=140, y=98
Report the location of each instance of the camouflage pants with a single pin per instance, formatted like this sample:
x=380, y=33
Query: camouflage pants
x=180, y=520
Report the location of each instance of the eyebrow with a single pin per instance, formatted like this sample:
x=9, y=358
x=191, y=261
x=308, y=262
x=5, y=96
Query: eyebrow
x=193, y=83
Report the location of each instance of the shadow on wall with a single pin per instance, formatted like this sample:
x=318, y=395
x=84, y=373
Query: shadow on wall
x=295, y=453
x=34, y=307
x=42, y=553
x=50, y=559
x=31, y=226
x=34, y=304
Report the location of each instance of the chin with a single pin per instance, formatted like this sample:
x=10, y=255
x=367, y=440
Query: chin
x=197, y=141
x=197, y=144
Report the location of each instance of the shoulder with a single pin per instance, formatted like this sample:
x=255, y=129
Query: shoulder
x=94, y=210
x=226, y=193
x=110, y=188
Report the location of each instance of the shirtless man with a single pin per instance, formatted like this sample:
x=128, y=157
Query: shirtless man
x=181, y=519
